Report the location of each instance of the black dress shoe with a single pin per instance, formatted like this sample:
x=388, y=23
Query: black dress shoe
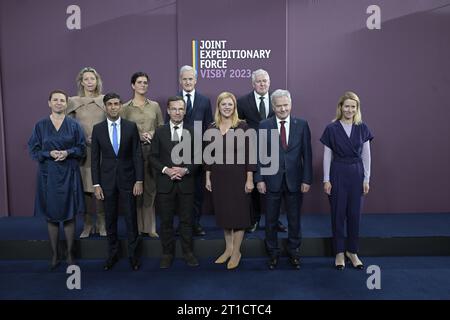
x=191, y=260
x=166, y=261
x=110, y=263
x=198, y=231
x=339, y=266
x=281, y=227
x=272, y=264
x=295, y=262
x=54, y=265
x=252, y=228
x=135, y=264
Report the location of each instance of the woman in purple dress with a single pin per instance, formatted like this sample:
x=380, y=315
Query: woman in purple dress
x=230, y=184
x=346, y=167
x=58, y=144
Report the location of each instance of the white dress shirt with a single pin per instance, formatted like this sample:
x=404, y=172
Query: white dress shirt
x=266, y=101
x=192, y=93
x=110, y=130
x=287, y=126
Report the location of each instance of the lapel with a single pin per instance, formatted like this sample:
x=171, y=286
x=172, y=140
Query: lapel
x=347, y=140
x=293, y=128
x=167, y=135
x=271, y=113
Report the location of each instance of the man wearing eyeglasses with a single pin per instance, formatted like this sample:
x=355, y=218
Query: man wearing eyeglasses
x=175, y=182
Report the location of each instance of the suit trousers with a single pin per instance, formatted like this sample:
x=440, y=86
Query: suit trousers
x=167, y=204
x=128, y=204
x=293, y=202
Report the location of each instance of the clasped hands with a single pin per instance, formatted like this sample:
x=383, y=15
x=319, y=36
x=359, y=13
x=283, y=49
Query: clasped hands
x=146, y=137
x=175, y=173
x=59, y=155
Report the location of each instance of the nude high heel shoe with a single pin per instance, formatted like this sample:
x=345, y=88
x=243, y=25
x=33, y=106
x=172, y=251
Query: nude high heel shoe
x=234, y=263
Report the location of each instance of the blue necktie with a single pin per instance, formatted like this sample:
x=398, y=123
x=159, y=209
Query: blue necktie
x=114, y=138
x=188, y=104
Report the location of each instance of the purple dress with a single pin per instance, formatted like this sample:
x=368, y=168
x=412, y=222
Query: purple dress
x=346, y=178
x=59, y=189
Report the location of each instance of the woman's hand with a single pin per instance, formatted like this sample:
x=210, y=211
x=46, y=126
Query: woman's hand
x=327, y=188
x=249, y=186
x=208, y=185
x=366, y=188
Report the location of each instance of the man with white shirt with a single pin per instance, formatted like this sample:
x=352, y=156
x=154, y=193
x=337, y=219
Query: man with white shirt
x=117, y=173
x=198, y=108
x=254, y=107
x=293, y=178
x=175, y=183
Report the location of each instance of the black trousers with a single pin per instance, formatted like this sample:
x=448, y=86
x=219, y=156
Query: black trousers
x=167, y=204
x=128, y=204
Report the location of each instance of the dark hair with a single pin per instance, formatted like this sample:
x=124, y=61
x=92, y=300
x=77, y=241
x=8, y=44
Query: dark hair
x=175, y=98
x=137, y=75
x=58, y=91
x=109, y=96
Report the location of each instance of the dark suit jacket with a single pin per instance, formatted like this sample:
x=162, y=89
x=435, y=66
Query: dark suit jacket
x=249, y=111
x=201, y=111
x=297, y=159
x=122, y=170
x=160, y=157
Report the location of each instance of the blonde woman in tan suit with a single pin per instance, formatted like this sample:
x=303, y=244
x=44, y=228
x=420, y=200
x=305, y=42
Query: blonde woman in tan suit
x=88, y=109
x=147, y=116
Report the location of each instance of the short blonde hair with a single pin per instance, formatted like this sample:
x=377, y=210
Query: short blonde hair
x=234, y=116
x=357, y=118
x=98, y=89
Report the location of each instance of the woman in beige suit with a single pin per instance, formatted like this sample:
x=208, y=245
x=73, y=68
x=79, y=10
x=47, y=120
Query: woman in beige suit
x=147, y=115
x=88, y=109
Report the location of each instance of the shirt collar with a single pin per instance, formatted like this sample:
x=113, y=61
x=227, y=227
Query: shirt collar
x=192, y=93
x=180, y=125
x=257, y=95
x=110, y=122
x=288, y=120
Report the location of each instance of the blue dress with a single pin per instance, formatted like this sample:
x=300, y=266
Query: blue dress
x=346, y=178
x=59, y=189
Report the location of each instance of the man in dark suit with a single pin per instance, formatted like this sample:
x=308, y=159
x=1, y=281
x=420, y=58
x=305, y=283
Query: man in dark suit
x=291, y=180
x=253, y=108
x=175, y=181
x=198, y=108
x=118, y=173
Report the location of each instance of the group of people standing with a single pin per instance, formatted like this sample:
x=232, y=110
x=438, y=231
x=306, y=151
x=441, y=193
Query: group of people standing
x=95, y=151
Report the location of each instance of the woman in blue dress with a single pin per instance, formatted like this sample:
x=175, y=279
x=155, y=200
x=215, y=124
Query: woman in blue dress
x=58, y=144
x=346, y=167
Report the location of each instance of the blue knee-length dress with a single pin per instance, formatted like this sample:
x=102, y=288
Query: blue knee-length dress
x=59, y=189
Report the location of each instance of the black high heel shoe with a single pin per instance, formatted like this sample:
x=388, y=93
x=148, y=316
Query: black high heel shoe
x=358, y=266
x=339, y=266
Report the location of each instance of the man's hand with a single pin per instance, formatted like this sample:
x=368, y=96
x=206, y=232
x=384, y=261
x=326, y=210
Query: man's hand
x=304, y=188
x=261, y=186
x=138, y=189
x=99, y=193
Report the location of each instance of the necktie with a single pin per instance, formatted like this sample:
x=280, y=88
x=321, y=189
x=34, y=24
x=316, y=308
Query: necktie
x=262, y=108
x=115, y=139
x=175, y=137
x=283, y=135
x=188, y=104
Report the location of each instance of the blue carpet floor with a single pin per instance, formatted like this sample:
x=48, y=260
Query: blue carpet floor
x=401, y=278
x=313, y=226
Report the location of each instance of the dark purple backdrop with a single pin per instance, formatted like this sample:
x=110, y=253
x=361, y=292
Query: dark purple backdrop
x=319, y=49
